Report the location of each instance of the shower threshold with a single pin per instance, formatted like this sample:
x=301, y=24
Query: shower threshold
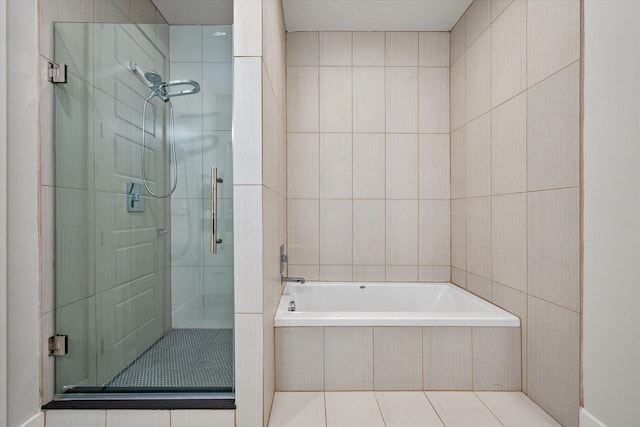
x=168, y=401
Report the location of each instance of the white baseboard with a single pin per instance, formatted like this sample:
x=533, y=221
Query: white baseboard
x=588, y=420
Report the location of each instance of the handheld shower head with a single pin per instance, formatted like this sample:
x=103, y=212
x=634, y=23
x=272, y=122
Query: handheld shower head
x=150, y=78
x=159, y=87
x=154, y=79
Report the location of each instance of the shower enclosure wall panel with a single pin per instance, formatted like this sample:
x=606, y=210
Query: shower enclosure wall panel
x=202, y=282
x=111, y=266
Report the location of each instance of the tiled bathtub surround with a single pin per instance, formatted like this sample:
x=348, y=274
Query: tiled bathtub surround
x=397, y=358
x=515, y=219
x=368, y=155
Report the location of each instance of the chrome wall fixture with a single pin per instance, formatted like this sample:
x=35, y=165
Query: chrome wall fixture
x=215, y=241
x=284, y=259
x=161, y=89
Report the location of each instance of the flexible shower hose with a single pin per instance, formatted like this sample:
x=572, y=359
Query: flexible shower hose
x=172, y=137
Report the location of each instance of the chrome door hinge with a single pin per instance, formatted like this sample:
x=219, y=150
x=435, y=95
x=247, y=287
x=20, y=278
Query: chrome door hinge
x=58, y=345
x=57, y=73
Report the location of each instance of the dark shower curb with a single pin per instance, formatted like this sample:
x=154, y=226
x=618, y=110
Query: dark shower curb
x=149, y=404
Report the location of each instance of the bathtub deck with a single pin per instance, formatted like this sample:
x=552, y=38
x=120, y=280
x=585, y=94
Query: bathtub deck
x=402, y=409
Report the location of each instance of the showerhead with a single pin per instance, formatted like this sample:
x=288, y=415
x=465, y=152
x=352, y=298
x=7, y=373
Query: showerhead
x=153, y=78
x=159, y=87
x=150, y=78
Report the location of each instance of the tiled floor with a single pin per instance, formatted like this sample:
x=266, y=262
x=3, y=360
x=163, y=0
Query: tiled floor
x=407, y=409
x=183, y=358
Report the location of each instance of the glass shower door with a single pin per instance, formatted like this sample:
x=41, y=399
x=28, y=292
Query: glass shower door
x=143, y=302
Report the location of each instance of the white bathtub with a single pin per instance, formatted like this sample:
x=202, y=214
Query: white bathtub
x=394, y=336
x=387, y=304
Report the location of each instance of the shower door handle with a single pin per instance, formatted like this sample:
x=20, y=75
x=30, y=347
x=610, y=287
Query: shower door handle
x=214, y=210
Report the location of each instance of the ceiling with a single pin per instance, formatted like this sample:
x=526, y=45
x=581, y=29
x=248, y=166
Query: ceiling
x=373, y=15
x=196, y=12
x=330, y=15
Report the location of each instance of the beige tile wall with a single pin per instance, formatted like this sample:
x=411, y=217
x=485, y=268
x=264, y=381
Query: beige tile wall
x=368, y=155
x=515, y=185
x=115, y=418
x=274, y=189
x=248, y=205
x=259, y=199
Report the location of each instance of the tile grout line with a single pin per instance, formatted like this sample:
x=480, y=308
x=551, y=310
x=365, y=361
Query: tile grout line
x=524, y=339
x=317, y=72
x=471, y=328
x=375, y=397
x=486, y=406
x=324, y=370
x=417, y=160
x=386, y=239
x=490, y=31
x=434, y=408
x=551, y=303
x=373, y=360
x=324, y=400
x=353, y=149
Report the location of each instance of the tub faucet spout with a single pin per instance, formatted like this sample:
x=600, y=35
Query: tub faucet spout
x=284, y=259
x=284, y=279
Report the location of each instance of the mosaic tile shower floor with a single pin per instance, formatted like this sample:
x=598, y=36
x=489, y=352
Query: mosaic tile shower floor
x=187, y=358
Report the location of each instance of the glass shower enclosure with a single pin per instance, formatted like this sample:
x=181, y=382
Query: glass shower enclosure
x=143, y=283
